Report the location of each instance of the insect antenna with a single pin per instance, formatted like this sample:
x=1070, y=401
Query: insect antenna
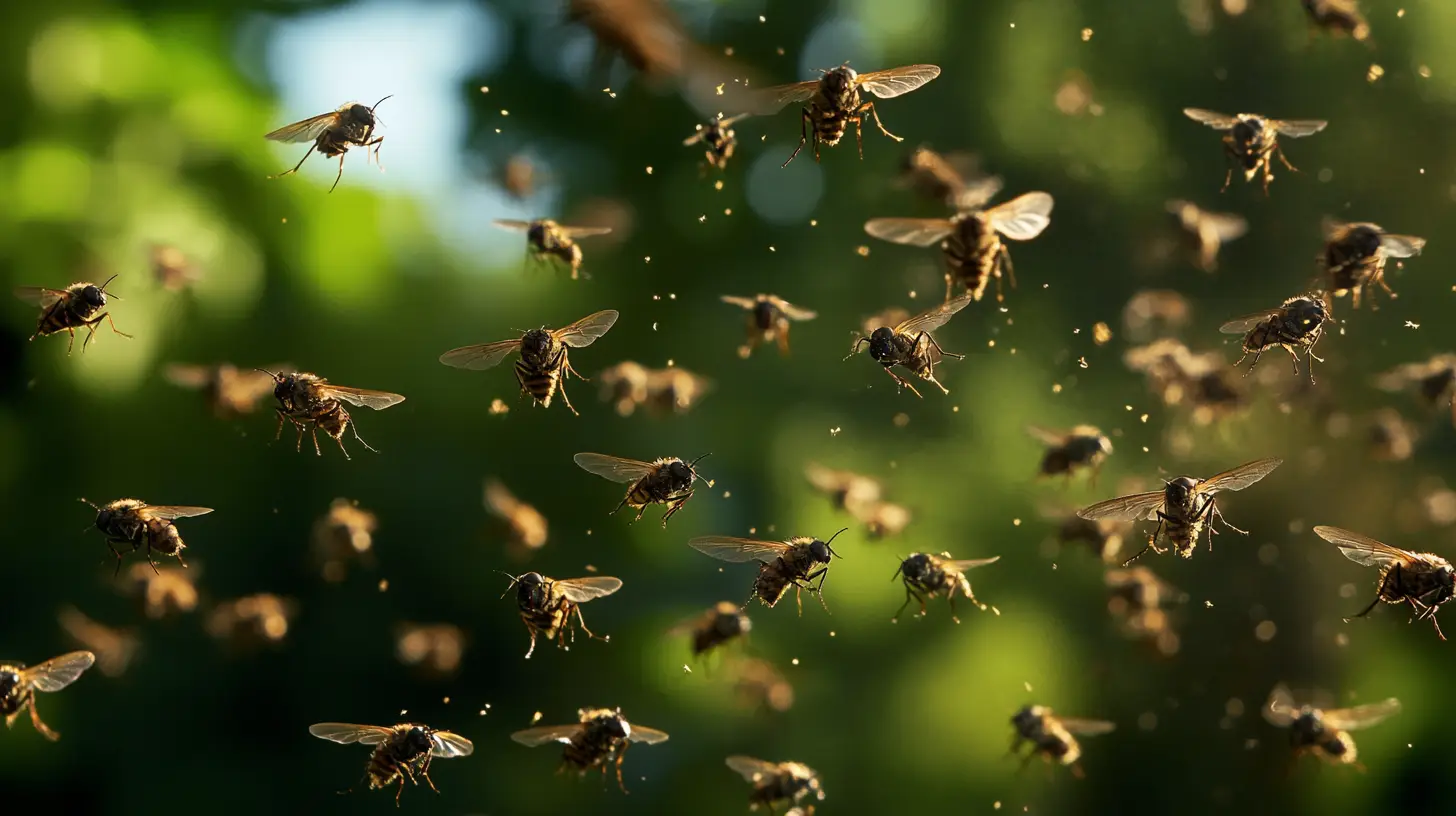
x=831, y=540
x=108, y=283
x=514, y=580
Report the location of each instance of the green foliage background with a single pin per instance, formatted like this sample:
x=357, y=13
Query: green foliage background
x=133, y=122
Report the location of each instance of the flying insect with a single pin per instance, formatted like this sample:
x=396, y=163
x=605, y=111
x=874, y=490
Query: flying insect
x=911, y=345
x=18, y=685
x=332, y=134
x=782, y=564
x=1423, y=580
x=1252, y=140
x=600, y=738
x=544, y=365
x=668, y=481
x=401, y=752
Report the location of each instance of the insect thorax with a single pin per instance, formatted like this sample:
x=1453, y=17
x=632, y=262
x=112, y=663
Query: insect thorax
x=539, y=349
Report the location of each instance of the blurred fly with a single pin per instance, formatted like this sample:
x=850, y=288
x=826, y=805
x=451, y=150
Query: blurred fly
x=911, y=345
x=1206, y=232
x=437, y=648
x=1184, y=508
x=544, y=365
x=1154, y=313
x=782, y=564
x=342, y=535
x=253, y=620
x=547, y=604
x=1137, y=601
x=1355, y=255
x=134, y=522
x=65, y=310
x=166, y=591
x=1052, y=736
x=1339, y=17
x=719, y=626
x=666, y=481
x=629, y=385
x=401, y=752
x=776, y=783
x=114, y=648
x=1325, y=732
x=930, y=576
x=332, y=134
x=312, y=403
x=1423, y=580
x=600, y=738
x=546, y=239
x=1068, y=451
x=1432, y=381
x=949, y=179
x=528, y=527
x=1298, y=323
x=1253, y=140
x=769, y=317
x=230, y=391
x=718, y=138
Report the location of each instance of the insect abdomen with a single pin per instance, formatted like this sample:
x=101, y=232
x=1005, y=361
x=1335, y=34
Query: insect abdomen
x=539, y=381
x=973, y=255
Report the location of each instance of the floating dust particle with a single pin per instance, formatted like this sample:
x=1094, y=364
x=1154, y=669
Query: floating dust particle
x=771, y=249
x=1145, y=449
x=1128, y=407
x=535, y=718
x=383, y=584
x=718, y=185
x=505, y=112
x=703, y=218
x=996, y=805
x=1400, y=12
x=1265, y=631
x=1342, y=640
x=1143, y=419
x=813, y=222
x=1077, y=330
x=671, y=296
x=1410, y=325
x=1375, y=72
x=831, y=633
x=1082, y=362
x=403, y=712
x=1086, y=34
x=1101, y=334
x=901, y=419
x=864, y=252
x=728, y=52
x=996, y=610
x=712, y=483
x=485, y=89
x=669, y=364
x=779, y=50
x=646, y=259
x=727, y=494
x=609, y=92
x=1027, y=685
x=654, y=325
x=498, y=407
x=728, y=211
x=835, y=431
x=447, y=701
x=1148, y=720
x=753, y=531
x=657, y=297
x=719, y=89
x=285, y=220
x=649, y=169
x=990, y=344
x=1208, y=604
x=497, y=130
x=1016, y=522
x=590, y=568
x=762, y=19
x=1347, y=590
x=687, y=669
x=912, y=294
x=1424, y=71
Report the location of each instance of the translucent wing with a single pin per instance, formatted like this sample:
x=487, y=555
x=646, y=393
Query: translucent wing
x=1240, y=325
x=585, y=331
x=1126, y=508
x=583, y=232
x=791, y=311
x=613, y=468
x=977, y=193
x=543, y=734
x=647, y=736
x=512, y=224
x=742, y=302
x=1226, y=227
x=1351, y=719
x=480, y=357
x=1297, y=128
x=921, y=232
x=58, y=672
x=738, y=550
x=1401, y=246
x=1362, y=549
x=971, y=563
x=776, y=97
x=935, y=318
x=1022, y=218
x=1087, y=728
x=364, y=397
x=1047, y=436
x=752, y=769
x=1240, y=477
x=450, y=745
x=1281, y=708
x=172, y=511
x=581, y=590
x=897, y=81
x=1217, y=121
x=305, y=131
x=39, y=295
x=348, y=733
x=188, y=376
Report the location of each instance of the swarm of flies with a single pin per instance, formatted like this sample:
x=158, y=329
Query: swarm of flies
x=673, y=390
x=544, y=365
x=1184, y=508
x=717, y=627
x=401, y=752
x=1084, y=447
x=930, y=576
x=781, y=564
x=18, y=685
x=1053, y=737
x=547, y=240
x=1324, y=732
x=599, y=738
x=1339, y=17
x=332, y=134
x=547, y=605
x=312, y=403
x=776, y=783
x=138, y=524
x=1355, y=255
x=77, y=306
x=230, y=391
x=667, y=481
x=911, y=345
x=970, y=241
x=769, y=318
x=528, y=528
x=1205, y=232
x=1252, y=140
x=1433, y=382
x=718, y=139
x=1296, y=325
x=1423, y=580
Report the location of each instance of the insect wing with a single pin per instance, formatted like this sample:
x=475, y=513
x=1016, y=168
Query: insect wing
x=1298, y=128
x=743, y=302
x=969, y=564
x=1240, y=325
x=480, y=357
x=1357, y=717
x=39, y=295
x=976, y=193
x=583, y=232
x=752, y=769
x=935, y=318
x=364, y=397
x=1022, y=218
x=349, y=733
x=450, y=745
x=773, y=99
x=1240, y=477
x=1401, y=246
x=791, y=311
x=647, y=736
x=173, y=511
x=897, y=81
x=1126, y=508
x=739, y=550
x=1047, y=436
x=305, y=131
x=189, y=376
x=1217, y=121
x=921, y=232
x=1226, y=227
x=581, y=590
x=512, y=224
x=1363, y=549
x=58, y=672
x=585, y=331
x=613, y=468
x=1087, y=728
x=543, y=734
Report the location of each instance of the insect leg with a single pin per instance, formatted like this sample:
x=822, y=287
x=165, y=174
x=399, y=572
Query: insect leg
x=1230, y=156
x=111, y=543
x=804, y=137
x=70, y=344
x=306, y=154
x=1379, y=593
x=933, y=343
x=425, y=772
x=1003, y=257
x=353, y=426
x=582, y=623
x=341, y=171
x=531, y=650
x=1437, y=624
x=673, y=506
x=1213, y=513
x=868, y=109
x=314, y=433
x=374, y=143
x=1280, y=151
x=909, y=594
x=904, y=383
x=621, y=755
x=40, y=726
x=782, y=336
x=949, y=281
x=858, y=133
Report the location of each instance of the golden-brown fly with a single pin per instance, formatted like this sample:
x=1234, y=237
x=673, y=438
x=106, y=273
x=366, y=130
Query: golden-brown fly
x=1390, y=437
x=253, y=620
x=437, y=647
x=341, y=536
x=1052, y=736
x=722, y=624
x=1153, y=313
x=546, y=239
x=19, y=684
x=528, y=527
x=1137, y=601
x=114, y=648
x=231, y=392
x=518, y=177
x=883, y=519
x=544, y=365
x=1184, y=508
x=312, y=403
x=1339, y=17
x=1104, y=537
x=776, y=783
x=136, y=523
x=1423, y=580
x=599, y=738
x=1202, y=381
x=666, y=481
x=718, y=138
x=769, y=318
x=547, y=604
x=1298, y=323
x=833, y=101
x=1253, y=140
x=1355, y=256
x=1433, y=381
x=782, y=564
x=930, y=576
x=761, y=687
x=1084, y=446
x=849, y=491
x=950, y=179
x=65, y=310
x=646, y=33
x=168, y=591
x=629, y=385
x=401, y=752
x=1324, y=732
x=332, y=134
x=1206, y=232
x=910, y=344
x=970, y=241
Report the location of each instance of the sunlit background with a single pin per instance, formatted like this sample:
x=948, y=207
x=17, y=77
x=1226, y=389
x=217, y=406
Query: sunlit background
x=134, y=125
